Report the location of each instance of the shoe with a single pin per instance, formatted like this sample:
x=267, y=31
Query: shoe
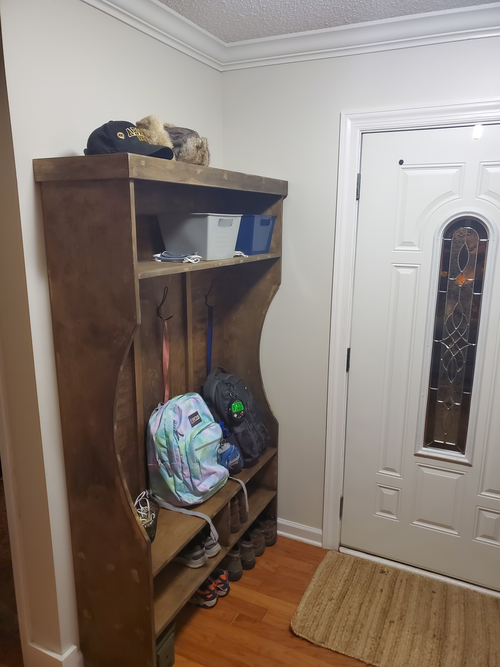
x=212, y=547
x=242, y=505
x=258, y=540
x=234, y=515
x=246, y=550
x=270, y=528
x=206, y=595
x=147, y=510
x=229, y=456
x=220, y=578
x=193, y=555
x=232, y=563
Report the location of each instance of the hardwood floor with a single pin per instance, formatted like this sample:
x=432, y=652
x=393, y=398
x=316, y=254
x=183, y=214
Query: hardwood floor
x=251, y=626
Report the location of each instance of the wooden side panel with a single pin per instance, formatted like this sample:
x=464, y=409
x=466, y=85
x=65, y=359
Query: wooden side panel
x=89, y=225
x=125, y=424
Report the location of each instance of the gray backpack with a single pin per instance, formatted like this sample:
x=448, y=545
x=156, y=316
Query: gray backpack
x=233, y=406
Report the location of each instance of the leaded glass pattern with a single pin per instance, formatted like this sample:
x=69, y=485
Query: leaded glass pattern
x=456, y=329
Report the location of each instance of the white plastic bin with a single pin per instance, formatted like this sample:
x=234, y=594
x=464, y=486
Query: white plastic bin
x=211, y=235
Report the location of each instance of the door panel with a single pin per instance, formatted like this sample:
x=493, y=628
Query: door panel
x=435, y=509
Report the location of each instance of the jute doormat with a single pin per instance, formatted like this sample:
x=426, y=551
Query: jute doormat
x=387, y=617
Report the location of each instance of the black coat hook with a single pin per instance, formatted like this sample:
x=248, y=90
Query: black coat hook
x=206, y=295
x=158, y=310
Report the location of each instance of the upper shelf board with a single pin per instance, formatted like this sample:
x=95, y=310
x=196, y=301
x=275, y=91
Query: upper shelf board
x=131, y=166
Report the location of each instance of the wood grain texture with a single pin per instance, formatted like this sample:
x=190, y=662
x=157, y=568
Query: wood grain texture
x=88, y=225
x=127, y=165
x=251, y=626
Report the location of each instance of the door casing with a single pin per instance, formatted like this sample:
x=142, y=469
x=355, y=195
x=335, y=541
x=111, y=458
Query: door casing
x=353, y=125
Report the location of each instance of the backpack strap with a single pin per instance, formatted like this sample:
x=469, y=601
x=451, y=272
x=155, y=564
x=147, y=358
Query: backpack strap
x=166, y=347
x=166, y=362
x=183, y=510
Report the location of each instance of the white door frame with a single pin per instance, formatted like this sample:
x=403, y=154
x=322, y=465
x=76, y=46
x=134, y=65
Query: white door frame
x=353, y=125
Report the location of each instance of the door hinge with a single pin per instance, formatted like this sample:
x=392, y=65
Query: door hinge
x=348, y=360
x=341, y=510
x=358, y=186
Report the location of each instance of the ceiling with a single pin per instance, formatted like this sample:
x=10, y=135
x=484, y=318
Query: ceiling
x=240, y=20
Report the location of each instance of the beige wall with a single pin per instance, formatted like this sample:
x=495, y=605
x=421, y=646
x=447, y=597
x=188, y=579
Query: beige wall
x=283, y=121
x=69, y=69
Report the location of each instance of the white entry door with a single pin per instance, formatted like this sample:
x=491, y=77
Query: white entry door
x=422, y=467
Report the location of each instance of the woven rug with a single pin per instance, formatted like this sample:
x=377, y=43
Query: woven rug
x=387, y=617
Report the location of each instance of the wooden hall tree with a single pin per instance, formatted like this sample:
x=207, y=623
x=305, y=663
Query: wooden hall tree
x=101, y=231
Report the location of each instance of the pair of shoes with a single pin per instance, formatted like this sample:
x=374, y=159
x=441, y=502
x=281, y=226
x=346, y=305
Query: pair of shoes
x=258, y=539
x=206, y=595
x=214, y=587
x=232, y=563
x=198, y=550
x=247, y=553
x=220, y=578
x=252, y=544
x=269, y=526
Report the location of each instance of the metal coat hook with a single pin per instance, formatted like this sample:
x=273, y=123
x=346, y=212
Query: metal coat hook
x=165, y=294
x=206, y=295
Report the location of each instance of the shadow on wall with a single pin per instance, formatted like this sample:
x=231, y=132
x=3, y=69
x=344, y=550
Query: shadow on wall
x=9, y=628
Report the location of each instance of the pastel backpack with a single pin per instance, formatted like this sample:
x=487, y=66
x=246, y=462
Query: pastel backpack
x=182, y=444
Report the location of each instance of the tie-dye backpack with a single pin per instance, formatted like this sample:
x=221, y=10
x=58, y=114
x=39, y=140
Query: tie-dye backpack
x=182, y=443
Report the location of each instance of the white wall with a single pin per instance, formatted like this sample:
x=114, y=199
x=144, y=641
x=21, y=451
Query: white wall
x=283, y=121
x=69, y=69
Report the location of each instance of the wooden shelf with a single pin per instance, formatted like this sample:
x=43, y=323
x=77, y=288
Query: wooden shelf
x=153, y=269
x=174, y=530
x=174, y=586
x=140, y=167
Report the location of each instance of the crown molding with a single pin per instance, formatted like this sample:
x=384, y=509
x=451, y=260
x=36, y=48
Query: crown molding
x=160, y=22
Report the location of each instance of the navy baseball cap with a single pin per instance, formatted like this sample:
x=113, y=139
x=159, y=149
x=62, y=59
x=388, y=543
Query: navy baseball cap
x=120, y=136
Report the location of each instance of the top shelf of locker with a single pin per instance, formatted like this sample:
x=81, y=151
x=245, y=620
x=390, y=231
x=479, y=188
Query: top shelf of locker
x=139, y=167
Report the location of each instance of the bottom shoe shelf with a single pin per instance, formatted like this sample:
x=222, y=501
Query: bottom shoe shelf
x=176, y=583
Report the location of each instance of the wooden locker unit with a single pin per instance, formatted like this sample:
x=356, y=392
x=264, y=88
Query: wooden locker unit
x=101, y=230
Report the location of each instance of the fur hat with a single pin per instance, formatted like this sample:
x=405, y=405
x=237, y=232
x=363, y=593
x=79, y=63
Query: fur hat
x=187, y=144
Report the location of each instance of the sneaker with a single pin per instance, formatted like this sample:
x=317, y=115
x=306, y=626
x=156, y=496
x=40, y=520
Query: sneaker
x=242, y=506
x=232, y=563
x=234, y=515
x=220, y=578
x=229, y=456
x=258, y=539
x=212, y=547
x=247, y=552
x=193, y=555
x=147, y=510
x=206, y=595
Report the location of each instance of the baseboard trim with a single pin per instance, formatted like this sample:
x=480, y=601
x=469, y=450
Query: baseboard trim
x=37, y=656
x=297, y=531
